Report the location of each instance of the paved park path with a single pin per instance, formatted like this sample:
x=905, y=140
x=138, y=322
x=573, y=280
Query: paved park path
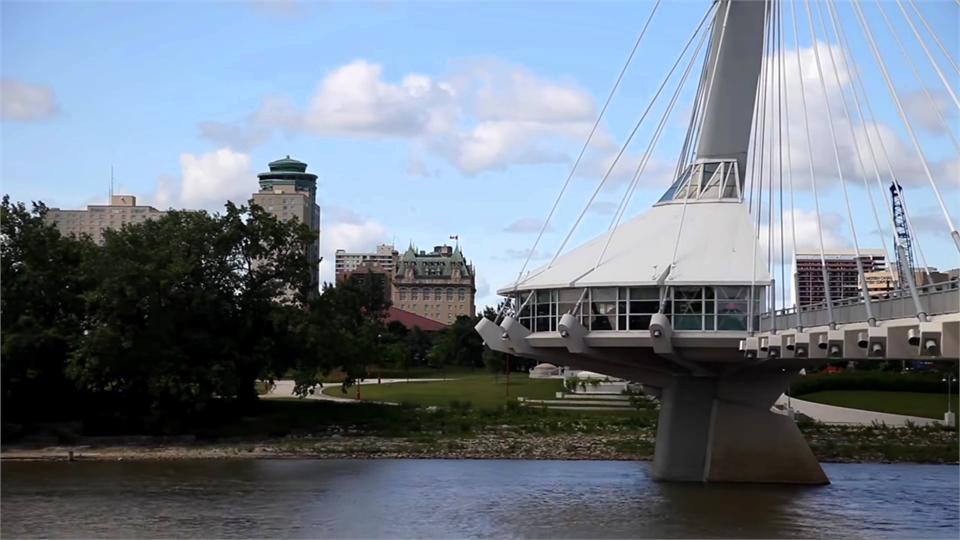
x=829, y=414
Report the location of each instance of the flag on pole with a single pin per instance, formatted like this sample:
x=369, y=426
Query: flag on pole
x=455, y=237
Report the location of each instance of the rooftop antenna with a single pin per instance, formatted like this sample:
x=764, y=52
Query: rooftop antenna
x=110, y=200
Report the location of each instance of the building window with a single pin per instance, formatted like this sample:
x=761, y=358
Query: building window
x=426, y=294
x=437, y=295
x=414, y=293
x=461, y=294
x=449, y=294
x=403, y=293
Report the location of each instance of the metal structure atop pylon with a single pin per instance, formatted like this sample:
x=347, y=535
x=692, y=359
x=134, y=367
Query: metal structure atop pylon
x=903, y=243
x=681, y=298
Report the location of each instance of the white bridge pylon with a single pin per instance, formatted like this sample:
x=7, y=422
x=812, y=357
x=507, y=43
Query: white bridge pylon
x=690, y=297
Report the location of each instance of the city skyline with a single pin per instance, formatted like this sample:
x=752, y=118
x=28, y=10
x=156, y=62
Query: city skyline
x=452, y=133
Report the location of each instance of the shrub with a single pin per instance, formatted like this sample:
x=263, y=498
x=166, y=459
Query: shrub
x=869, y=380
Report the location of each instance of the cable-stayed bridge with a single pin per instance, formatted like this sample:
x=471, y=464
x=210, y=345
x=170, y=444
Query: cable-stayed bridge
x=692, y=297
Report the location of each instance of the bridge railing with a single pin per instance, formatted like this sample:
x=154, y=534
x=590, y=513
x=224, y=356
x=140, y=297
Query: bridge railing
x=936, y=299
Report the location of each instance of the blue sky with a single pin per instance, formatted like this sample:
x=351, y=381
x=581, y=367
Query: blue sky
x=423, y=120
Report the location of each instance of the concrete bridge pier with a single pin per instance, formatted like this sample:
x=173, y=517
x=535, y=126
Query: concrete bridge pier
x=721, y=429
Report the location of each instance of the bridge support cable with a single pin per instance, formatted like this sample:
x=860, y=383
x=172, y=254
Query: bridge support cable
x=910, y=278
x=864, y=289
x=756, y=166
x=780, y=128
x=813, y=176
x=933, y=34
x=630, y=137
x=844, y=47
x=586, y=144
x=859, y=88
x=923, y=45
x=785, y=111
x=861, y=19
x=641, y=167
x=706, y=99
x=886, y=156
x=913, y=68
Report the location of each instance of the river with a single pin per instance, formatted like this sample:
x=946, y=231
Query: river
x=461, y=499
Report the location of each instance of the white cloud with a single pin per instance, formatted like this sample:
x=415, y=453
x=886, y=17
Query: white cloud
x=486, y=115
x=207, y=181
x=353, y=101
x=527, y=225
x=24, y=102
x=854, y=140
x=928, y=115
x=343, y=228
x=808, y=230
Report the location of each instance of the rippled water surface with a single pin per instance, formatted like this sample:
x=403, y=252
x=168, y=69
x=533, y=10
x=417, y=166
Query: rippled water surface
x=461, y=499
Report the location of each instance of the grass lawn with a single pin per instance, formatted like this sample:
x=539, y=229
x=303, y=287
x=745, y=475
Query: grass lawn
x=907, y=403
x=482, y=391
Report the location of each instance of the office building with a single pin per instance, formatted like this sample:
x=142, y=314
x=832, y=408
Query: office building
x=288, y=191
x=842, y=273
x=97, y=218
x=439, y=285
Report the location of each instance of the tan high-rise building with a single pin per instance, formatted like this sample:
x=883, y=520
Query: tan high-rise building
x=382, y=264
x=439, y=285
x=386, y=256
x=288, y=191
x=884, y=282
x=97, y=218
x=842, y=273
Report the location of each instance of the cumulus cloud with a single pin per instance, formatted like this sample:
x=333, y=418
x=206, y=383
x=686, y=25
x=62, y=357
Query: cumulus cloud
x=25, y=102
x=930, y=113
x=484, y=115
x=208, y=181
x=346, y=229
x=862, y=148
x=526, y=225
x=808, y=232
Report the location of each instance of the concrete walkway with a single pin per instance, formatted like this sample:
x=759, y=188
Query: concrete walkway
x=829, y=414
x=284, y=389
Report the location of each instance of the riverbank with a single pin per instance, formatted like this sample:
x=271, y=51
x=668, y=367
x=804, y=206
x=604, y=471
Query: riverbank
x=843, y=444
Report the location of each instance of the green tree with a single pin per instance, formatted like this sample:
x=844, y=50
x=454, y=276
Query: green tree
x=41, y=302
x=345, y=325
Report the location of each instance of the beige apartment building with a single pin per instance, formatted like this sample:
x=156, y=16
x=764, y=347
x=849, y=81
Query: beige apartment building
x=439, y=285
x=97, y=218
x=288, y=191
x=880, y=283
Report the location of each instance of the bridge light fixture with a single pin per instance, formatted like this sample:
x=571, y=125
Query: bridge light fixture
x=801, y=351
x=822, y=343
x=835, y=351
x=913, y=337
x=862, y=340
x=564, y=334
x=504, y=336
x=931, y=347
x=791, y=343
x=764, y=344
x=876, y=349
x=657, y=334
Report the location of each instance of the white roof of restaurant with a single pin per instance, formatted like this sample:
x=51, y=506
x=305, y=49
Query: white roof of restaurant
x=545, y=366
x=718, y=246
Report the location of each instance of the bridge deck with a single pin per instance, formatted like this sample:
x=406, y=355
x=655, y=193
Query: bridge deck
x=936, y=299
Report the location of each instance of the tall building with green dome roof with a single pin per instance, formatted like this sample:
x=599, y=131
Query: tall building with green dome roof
x=288, y=191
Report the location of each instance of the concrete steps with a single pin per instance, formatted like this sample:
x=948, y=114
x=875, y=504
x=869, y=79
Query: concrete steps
x=598, y=396
x=577, y=403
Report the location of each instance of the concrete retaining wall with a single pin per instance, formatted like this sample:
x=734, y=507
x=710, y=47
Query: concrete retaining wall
x=830, y=414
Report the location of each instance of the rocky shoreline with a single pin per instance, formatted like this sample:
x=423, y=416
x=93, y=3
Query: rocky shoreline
x=579, y=447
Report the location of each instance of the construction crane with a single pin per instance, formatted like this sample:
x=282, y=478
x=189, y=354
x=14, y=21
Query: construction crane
x=903, y=245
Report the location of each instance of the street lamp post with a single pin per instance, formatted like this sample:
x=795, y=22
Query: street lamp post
x=948, y=418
